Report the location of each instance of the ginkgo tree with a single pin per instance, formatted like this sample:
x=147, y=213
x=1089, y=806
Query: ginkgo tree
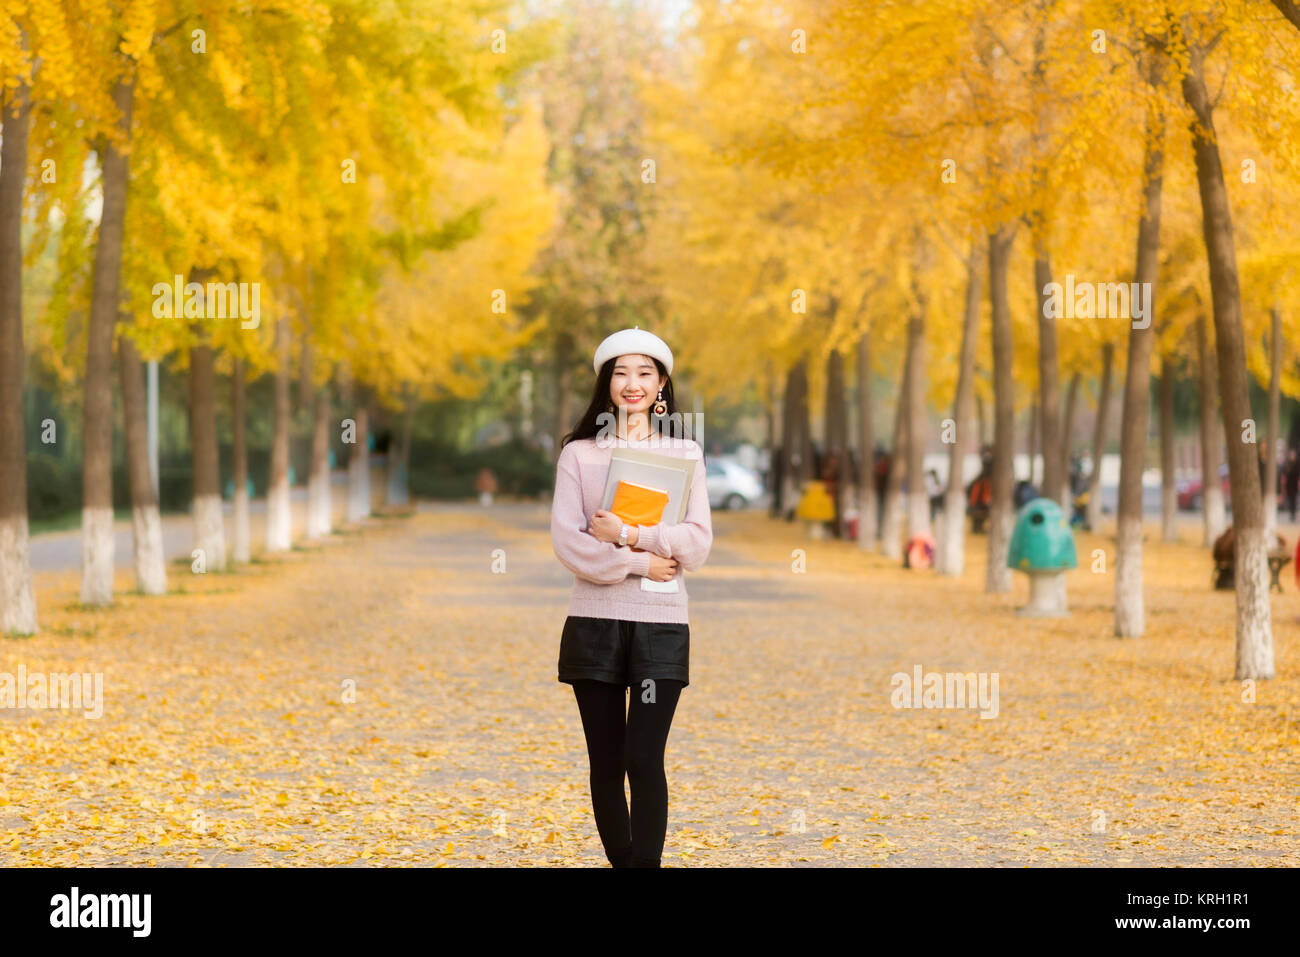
x=292, y=150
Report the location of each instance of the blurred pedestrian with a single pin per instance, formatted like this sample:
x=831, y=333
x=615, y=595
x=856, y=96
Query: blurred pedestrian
x=1291, y=481
x=880, y=475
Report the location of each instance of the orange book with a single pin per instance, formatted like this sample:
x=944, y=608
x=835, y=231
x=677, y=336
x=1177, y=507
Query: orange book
x=638, y=504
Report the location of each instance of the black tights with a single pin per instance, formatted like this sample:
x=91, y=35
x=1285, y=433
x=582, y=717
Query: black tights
x=634, y=747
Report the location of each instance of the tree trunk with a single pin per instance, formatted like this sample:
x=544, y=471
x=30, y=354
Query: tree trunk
x=1130, y=609
x=1031, y=443
x=97, y=427
x=867, y=505
x=1168, y=488
x=798, y=441
x=240, y=551
x=408, y=436
x=806, y=470
x=1049, y=390
x=836, y=432
x=998, y=575
x=1213, y=512
x=1099, y=436
x=952, y=539
x=17, y=598
x=1274, y=411
x=306, y=366
x=399, y=455
x=769, y=414
x=319, y=510
x=146, y=523
x=891, y=525
x=209, y=532
x=1254, y=617
x=359, y=461
x=918, y=501
x=790, y=437
x=279, y=524
x=1067, y=440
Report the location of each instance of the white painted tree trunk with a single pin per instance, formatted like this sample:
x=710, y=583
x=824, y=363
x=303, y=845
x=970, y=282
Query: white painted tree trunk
x=17, y=599
x=359, y=468
x=278, y=521
x=1216, y=514
x=1254, y=615
x=150, y=563
x=359, y=484
x=97, y=556
x=240, y=548
x=397, y=492
x=867, y=512
x=891, y=527
x=209, y=531
x=1130, y=611
x=950, y=543
x=319, y=517
x=918, y=514
x=997, y=577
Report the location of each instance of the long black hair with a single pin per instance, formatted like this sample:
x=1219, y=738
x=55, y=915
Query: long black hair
x=590, y=425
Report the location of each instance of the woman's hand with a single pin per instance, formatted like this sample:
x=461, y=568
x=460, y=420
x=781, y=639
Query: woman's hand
x=605, y=526
x=662, y=569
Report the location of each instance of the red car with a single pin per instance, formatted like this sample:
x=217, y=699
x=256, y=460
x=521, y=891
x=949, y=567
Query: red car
x=1189, y=491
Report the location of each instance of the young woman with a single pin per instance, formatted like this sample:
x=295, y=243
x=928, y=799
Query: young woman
x=619, y=635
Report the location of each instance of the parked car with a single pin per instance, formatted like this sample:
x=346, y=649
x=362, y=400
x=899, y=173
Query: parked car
x=1189, y=491
x=731, y=485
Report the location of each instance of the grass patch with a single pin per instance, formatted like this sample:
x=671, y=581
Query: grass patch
x=73, y=631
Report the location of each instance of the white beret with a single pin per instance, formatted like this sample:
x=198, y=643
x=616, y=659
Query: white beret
x=635, y=341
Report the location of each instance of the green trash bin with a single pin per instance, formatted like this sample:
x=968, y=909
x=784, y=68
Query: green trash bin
x=1042, y=546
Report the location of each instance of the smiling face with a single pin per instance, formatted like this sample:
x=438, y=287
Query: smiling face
x=635, y=383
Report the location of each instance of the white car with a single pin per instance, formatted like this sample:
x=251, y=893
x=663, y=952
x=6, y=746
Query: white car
x=731, y=485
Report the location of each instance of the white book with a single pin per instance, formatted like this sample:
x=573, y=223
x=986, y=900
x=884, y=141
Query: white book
x=668, y=473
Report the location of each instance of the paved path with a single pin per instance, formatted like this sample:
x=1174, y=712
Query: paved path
x=462, y=749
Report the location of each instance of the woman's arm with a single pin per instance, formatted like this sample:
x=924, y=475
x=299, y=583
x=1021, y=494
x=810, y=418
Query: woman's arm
x=580, y=552
x=689, y=540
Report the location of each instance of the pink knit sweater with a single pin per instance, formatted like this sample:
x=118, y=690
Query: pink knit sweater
x=607, y=577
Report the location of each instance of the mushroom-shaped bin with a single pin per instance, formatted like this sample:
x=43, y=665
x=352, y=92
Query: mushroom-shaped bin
x=1042, y=546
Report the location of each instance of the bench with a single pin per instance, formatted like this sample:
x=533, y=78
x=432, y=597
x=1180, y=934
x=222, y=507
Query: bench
x=1224, y=576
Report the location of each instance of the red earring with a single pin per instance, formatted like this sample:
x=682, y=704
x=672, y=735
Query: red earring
x=660, y=407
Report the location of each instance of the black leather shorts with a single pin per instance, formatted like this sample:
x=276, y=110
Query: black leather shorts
x=624, y=652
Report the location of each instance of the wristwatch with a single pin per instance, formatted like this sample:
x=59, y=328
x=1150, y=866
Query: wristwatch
x=622, y=536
